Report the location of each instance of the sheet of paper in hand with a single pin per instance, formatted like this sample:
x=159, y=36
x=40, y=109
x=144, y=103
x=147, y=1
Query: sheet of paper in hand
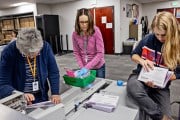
x=159, y=76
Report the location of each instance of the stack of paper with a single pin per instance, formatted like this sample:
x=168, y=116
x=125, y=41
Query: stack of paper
x=41, y=104
x=159, y=76
x=104, y=102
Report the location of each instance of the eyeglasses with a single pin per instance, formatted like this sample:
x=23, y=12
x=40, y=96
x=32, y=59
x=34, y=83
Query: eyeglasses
x=83, y=22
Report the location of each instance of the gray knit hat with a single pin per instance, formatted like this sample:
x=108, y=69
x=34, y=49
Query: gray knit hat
x=29, y=40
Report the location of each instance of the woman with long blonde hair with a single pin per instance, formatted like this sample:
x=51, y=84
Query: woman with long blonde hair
x=160, y=49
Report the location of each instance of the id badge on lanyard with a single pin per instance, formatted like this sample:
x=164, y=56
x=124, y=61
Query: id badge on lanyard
x=35, y=85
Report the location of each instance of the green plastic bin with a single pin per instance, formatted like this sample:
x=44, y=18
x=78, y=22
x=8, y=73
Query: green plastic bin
x=80, y=82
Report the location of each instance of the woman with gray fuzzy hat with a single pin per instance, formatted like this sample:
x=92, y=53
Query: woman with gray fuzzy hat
x=27, y=65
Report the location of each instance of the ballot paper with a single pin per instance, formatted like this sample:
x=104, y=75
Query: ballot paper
x=159, y=76
x=41, y=104
x=104, y=102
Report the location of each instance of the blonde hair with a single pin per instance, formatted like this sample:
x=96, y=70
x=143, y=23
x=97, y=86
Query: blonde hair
x=171, y=48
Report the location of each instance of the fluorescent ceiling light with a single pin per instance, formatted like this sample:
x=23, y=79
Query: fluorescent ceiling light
x=19, y=4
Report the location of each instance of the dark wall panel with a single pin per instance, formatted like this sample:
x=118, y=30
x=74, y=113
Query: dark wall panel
x=49, y=27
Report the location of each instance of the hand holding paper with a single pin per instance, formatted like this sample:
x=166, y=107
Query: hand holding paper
x=158, y=76
x=147, y=64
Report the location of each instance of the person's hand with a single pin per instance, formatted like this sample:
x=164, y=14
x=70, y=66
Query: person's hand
x=82, y=72
x=150, y=84
x=147, y=64
x=29, y=98
x=173, y=77
x=55, y=99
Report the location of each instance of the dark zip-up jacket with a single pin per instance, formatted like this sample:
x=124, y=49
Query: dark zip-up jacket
x=151, y=46
x=13, y=73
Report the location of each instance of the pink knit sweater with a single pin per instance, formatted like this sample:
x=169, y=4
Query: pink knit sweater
x=90, y=54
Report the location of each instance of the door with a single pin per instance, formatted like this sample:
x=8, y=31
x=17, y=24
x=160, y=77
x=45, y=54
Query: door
x=175, y=11
x=171, y=10
x=104, y=19
x=178, y=14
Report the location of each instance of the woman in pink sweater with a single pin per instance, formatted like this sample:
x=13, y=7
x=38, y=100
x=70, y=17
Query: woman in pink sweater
x=88, y=46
